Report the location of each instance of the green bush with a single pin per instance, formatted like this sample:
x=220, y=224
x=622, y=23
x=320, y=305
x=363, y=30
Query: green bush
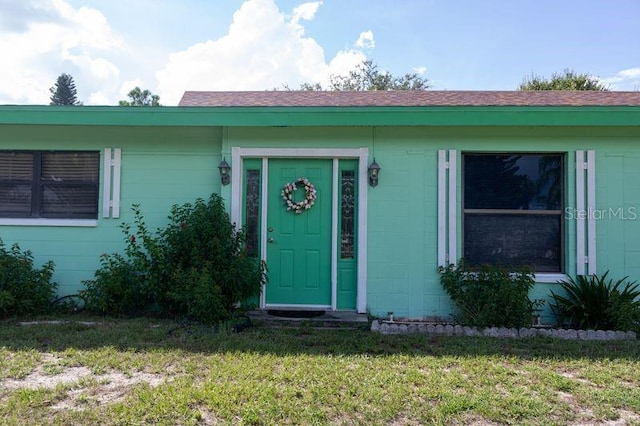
x=595, y=302
x=490, y=296
x=197, y=267
x=24, y=289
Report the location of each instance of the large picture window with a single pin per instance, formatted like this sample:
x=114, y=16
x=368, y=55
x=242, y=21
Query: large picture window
x=49, y=184
x=513, y=206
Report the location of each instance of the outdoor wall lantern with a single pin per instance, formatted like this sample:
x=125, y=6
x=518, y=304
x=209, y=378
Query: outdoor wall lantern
x=374, y=169
x=225, y=172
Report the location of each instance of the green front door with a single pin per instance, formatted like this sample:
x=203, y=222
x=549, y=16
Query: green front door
x=299, y=245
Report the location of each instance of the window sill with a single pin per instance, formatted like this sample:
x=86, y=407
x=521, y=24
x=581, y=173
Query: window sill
x=86, y=223
x=551, y=277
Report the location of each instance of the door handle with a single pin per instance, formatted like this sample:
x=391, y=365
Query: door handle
x=270, y=240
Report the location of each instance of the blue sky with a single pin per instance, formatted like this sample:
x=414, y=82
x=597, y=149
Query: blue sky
x=168, y=46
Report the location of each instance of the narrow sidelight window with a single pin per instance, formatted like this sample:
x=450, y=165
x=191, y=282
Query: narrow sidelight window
x=252, y=211
x=347, y=212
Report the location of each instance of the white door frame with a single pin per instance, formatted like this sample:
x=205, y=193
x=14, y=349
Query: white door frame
x=362, y=154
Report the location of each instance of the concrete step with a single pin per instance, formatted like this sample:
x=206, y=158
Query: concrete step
x=306, y=318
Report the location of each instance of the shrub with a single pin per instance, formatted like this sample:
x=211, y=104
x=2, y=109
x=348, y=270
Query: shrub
x=24, y=289
x=210, y=268
x=197, y=267
x=489, y=295
x=124, y=285
x=595, y=302
x=118, y=287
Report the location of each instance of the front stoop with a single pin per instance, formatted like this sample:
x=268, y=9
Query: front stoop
x=330, y=319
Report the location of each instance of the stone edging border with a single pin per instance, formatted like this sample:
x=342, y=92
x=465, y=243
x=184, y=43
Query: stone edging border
x=397, y=327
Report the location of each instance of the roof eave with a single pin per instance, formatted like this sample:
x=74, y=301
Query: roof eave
x=324, y=116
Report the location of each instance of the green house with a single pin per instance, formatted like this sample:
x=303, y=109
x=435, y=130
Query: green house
x=548, y=179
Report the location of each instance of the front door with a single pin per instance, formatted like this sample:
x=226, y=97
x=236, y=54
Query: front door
x=299, y=244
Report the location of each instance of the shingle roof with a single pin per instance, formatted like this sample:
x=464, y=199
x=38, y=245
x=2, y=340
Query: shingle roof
x=410, y=98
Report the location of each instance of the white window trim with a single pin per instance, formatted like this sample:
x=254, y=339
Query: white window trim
x=585, y=201
x=48, y=222
x=362, y=154
x=551, y=278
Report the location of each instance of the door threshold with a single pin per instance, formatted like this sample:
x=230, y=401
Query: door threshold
x=292, y=307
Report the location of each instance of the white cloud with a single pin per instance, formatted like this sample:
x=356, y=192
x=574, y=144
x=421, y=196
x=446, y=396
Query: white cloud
x=345, y=61
x=624, y=80
x=98, y=98
x=630, y=73
x=263, y=49
x=366, y=40
x=42, y=39
x=420, y=70
x=306, y=11
x=128, y=86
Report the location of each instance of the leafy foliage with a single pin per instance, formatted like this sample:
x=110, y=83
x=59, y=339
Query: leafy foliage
x=595, y=302
x=490, y=295
x=64, y=92
x=139, y=97
x=24, y=289
x=197, y=267
x=366, y=77
x=569, y=80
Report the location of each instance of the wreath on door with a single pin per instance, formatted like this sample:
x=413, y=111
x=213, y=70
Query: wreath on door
x=309, y=195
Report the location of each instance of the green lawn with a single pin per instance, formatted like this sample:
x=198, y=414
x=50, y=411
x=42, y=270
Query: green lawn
x=156, y=372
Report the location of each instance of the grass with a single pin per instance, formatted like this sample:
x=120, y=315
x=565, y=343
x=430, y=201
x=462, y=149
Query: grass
x=156, y=372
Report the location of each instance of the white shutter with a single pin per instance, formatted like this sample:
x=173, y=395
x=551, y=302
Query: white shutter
x=111, y=183
x=447, y=207
x=585, y=212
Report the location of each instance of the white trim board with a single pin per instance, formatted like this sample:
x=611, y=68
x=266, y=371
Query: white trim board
x=86, y=223
x=447, y=207
x=362, y=154
x=111, y=169
x=591, y=207
x=580, y=220
x=285, y=307
x=107, y=164
x=585, y=206
x=334, y=233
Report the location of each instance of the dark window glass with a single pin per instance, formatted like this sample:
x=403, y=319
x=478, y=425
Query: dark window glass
x=49, y=184
x=513, y=210
x=253, y=211
x=514, y=240
x=347, y=214
x=515, y=182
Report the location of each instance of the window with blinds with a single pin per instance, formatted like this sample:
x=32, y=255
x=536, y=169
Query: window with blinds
x=49, y=184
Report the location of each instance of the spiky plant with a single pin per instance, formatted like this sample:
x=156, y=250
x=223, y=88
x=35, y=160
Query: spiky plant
x=595, y=302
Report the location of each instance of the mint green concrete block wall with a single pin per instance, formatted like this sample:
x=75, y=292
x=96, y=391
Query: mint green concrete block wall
x=402, y=211
x=618, y=207
x=160, y=167
x=411, y=234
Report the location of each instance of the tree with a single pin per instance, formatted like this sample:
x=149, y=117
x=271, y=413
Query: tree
x=64, y=91
x=367, y=76
x=569, y=80
x=139, y=97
